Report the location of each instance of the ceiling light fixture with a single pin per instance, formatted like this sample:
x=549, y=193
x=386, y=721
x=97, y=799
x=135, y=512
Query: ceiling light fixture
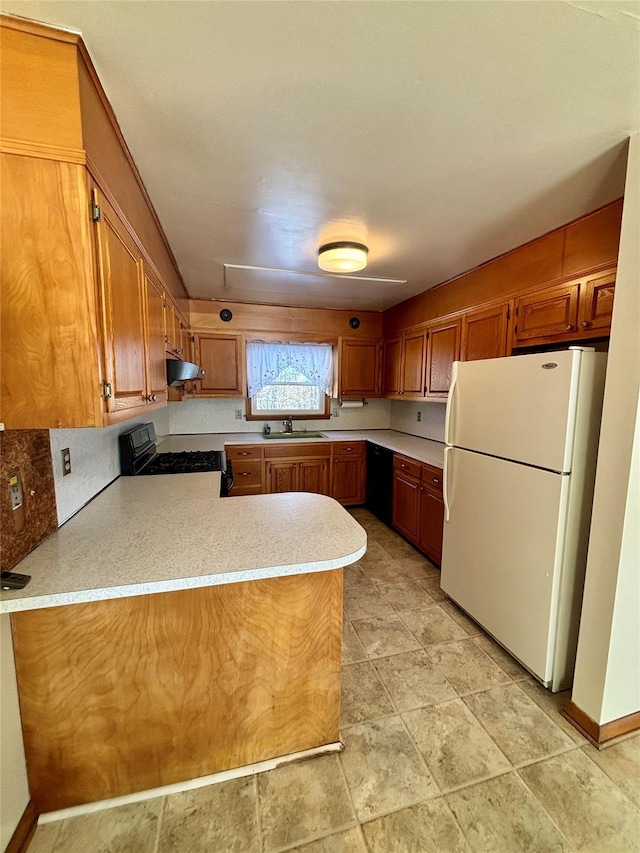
x=342, y=257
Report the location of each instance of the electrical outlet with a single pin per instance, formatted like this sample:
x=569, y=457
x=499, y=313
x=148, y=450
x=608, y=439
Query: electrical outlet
x=419, y=417
x=66, y=461
x=336, y=413
x=238, y=414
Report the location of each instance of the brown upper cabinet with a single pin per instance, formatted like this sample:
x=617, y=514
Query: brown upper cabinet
x=443, y=348
x=220, y=358
x=596, y=303
x=154, y=314
x=414, y=351
x=573, y=310
x=391, y=368
x=359, y=366
x=485, y=332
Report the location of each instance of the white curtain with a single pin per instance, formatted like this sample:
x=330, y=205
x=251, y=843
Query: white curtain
x=266, y=360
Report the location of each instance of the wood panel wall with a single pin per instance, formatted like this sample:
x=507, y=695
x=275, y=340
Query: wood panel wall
x=297, y=323
x=135, y=693
x=568, y=251
x=29, y=451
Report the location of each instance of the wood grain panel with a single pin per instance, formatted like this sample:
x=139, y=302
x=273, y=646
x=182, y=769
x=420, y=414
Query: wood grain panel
x=414, y=349
x=443, y=348
x=550, y=312
x=327, y=324
x=129, y=694
x=313, y=476
x=391, y=367
x=39, y=99
x=485, y=333
x=248, y=477
x=359, y=368
x=319, y=450
x=593, y=240
x=281, y=477
x=600, y=734
x=348, y=479
x=48, y=304
x=156, y=368
x=431, y=524
x=121, y=280
x=596, y=303
x=220, y=356
x=406, y=504
x=113, y=168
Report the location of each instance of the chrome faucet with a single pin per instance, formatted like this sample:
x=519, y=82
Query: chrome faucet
x=288, y=425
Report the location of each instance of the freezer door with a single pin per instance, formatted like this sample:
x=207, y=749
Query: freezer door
x=520, y=408
x=502, y=551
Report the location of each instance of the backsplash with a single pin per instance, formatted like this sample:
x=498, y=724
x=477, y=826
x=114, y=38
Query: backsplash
x=26, y=450
x=94, y=460
x=198, y=416
x=404, y=418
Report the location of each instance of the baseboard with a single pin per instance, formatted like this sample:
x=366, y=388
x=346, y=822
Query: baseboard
x=600, y=735
x=23, y=833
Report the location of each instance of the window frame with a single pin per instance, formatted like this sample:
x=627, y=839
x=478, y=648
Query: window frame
x=295, y=416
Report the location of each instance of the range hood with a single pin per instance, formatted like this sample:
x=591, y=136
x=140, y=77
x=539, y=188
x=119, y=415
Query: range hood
x=179, y=371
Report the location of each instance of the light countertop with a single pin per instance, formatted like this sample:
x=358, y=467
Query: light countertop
x=422, y=449
x=146, y=535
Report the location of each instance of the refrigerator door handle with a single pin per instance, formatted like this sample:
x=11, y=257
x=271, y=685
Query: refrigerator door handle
x=445, y=482
x=449, y=419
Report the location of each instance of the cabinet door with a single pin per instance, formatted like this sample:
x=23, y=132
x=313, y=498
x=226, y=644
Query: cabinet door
x=596, y=304
x=547, y=315
x=359, y=368
x=219, y=357
x=170, y=325
x=414, y=347
x=392, y=359
x=485, y=333
x=156, y=364
x=431, y=525
x=313, y=476
x=282, y=476
x=348, y=479
x=120, y=276
x=406, y=504
x=443, y=348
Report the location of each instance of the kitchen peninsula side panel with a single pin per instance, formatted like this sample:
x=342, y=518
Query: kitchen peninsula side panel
x=134, y=693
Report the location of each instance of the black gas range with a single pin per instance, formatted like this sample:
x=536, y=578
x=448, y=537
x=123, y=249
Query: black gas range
x=139, y=455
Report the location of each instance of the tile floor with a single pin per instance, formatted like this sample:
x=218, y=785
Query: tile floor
x=449, y=746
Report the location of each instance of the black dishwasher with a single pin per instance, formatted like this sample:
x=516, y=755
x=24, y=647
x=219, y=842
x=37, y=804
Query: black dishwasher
x=379, y=481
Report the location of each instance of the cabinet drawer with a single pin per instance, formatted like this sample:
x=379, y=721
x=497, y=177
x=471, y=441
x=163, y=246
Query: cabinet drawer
x=349, y=448
x=408, y=466
x=432, y=479
x=298, y=451
x=247, y=473
x=243, y=451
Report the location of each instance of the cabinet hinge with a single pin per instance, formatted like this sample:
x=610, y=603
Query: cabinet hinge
x=96, y=214
x=106, y=390
x=193, y=339
x=517, y=309
x=164, y=303
x=508, y=313
x=516, y=329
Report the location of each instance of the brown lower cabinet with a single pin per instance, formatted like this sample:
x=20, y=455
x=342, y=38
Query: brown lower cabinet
x=336, y=469
x=418, y=508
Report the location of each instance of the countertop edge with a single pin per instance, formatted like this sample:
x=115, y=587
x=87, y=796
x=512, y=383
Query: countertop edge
x=84, y=596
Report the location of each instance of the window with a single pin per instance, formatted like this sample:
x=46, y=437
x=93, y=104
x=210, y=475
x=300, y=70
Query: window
x=289, y=379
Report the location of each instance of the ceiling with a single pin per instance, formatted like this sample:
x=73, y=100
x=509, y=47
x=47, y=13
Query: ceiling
x=438, y=133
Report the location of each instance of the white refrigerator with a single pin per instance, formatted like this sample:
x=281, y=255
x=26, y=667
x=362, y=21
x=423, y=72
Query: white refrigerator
x=522, y=437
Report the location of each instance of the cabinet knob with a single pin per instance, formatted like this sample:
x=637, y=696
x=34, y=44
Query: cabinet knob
x=569, y=328
x=422, y=488
x=243, y=453
x=585, y=324
x=335, y=460
x=435, y=480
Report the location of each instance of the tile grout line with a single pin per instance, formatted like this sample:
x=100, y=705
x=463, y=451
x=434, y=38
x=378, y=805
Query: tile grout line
x=541, y=804
x=583, y=749
x=256, y=788
x=163, y=804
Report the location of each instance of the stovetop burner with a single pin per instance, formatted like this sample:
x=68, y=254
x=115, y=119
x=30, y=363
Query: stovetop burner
x=187, y=462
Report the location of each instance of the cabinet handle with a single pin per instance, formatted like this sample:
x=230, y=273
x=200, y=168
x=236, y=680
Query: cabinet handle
x=244, y=473
x=435, y=480
x=585, y=324
x=244, y=453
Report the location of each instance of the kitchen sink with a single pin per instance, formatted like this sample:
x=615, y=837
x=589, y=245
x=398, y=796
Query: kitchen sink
x=294, y=435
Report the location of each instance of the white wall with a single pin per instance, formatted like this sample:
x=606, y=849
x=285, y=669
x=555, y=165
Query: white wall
x=607, y=675
x=404, y=418
x=94, y=460
x=14, y=790
x=198, y=416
